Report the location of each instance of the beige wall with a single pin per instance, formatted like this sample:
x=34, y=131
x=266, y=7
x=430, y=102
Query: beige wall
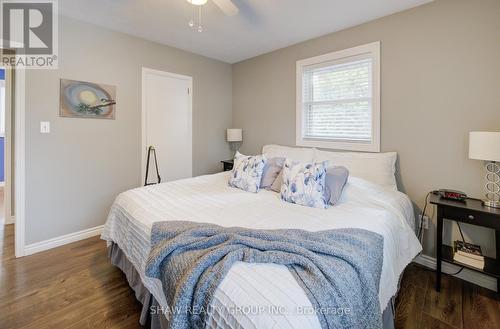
x=74, y=173
x=440, y=79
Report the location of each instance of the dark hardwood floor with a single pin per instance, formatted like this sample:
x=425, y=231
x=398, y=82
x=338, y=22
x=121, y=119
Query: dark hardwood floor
x=459, y=304
x=75, y=287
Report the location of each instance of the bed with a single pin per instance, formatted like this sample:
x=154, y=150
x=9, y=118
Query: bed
x=249, y=287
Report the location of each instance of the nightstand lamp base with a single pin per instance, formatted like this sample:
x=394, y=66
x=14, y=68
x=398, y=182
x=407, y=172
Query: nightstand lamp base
x=492, y=185
x=491, y=204
x=483, y=145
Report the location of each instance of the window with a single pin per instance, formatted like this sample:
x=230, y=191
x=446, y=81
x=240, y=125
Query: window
x=338, y=100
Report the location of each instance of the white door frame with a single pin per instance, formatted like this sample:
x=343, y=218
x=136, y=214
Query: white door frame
x=18, y=112
x=19, y=134
x=7, y=153
x=19, y=159
x=144, y=146
x=8, y=147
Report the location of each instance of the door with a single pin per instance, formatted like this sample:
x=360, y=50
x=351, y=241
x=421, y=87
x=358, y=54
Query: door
x=167, y=124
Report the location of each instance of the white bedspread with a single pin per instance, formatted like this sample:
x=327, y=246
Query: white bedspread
x=268, y=286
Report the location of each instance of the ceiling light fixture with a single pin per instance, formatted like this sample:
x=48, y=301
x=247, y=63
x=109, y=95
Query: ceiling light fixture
x=197, y=2
x=192, y=23
x=226, y=6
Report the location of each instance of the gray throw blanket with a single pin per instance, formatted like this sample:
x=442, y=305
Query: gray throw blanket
x=338, y=269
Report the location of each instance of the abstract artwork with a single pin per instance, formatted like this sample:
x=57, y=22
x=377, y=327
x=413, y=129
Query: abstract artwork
x=81, y=99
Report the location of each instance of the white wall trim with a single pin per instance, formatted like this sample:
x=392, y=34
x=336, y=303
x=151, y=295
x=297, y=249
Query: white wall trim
x=19, y=160
x=62, y=240
x=8, y=178
x=477, y=278
x=10, y=220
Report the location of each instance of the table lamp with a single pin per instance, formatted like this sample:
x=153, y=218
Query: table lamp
x=485, y=145
x=234, y=137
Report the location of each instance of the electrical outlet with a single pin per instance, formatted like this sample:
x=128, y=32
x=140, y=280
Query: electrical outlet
x=425, y=222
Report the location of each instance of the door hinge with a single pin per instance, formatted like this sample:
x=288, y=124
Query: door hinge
x=188, y=91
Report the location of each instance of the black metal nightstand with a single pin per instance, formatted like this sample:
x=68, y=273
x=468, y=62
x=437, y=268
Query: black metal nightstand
x=472, y=212
x=227, y=164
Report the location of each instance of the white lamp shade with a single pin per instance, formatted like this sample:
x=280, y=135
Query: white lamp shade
x=234, y=135
x=484, y=145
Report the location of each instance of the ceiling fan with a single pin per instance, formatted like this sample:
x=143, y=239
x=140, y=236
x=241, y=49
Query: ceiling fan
x=226, y=6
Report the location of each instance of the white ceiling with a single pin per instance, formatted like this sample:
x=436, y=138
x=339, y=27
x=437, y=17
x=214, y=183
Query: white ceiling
x=260, y=27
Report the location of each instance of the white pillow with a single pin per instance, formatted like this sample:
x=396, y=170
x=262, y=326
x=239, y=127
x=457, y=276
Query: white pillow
x=379, y=168
x=294, y=153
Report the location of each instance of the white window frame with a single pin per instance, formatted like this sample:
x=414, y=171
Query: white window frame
x=373, y=50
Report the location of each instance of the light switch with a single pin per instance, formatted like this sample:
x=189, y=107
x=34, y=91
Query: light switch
x=45, y=127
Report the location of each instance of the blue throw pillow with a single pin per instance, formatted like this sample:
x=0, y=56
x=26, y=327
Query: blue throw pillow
x=271, y=171
x=336, y=178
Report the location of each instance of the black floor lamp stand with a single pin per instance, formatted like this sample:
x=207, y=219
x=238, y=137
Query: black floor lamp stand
x=151, y=150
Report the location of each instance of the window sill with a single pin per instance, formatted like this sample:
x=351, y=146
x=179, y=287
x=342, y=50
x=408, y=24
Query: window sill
x=347, y=146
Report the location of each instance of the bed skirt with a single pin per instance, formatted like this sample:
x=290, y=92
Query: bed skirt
x=143, y=295
x=157, y=320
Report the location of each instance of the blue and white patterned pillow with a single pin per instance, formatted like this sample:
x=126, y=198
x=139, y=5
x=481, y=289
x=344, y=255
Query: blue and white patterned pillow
x=304, y=183
x=247, y=172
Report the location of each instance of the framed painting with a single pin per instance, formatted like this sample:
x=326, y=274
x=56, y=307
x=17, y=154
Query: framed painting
x=80, y=99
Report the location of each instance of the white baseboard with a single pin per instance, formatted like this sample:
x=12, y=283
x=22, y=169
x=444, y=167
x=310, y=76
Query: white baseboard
x=62, y=240
x=480, y=279
x=10, y=220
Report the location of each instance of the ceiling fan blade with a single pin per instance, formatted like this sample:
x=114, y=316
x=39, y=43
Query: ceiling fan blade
x=227, y=6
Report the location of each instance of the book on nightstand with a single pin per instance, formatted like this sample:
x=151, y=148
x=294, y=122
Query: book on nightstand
x=468, y=254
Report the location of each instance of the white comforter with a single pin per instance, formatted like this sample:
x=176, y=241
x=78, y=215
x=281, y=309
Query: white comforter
x=262, y=295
